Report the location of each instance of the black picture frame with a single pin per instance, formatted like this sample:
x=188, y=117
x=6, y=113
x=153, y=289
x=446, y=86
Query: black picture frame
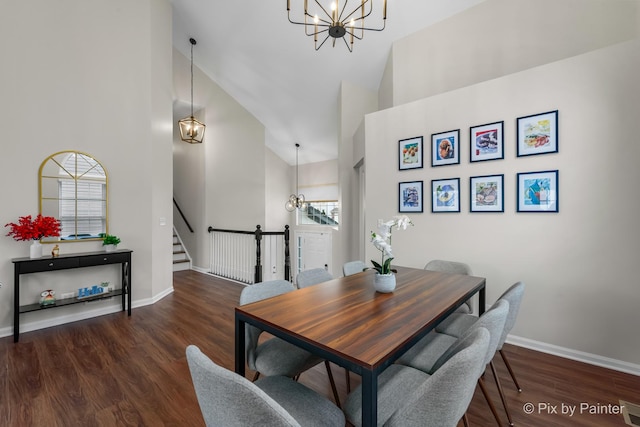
x=537, y=134
x=445, y=148
x=486, y=142
x=410, y=197
x=538, y=192
x=445, y=195
x=486, y=193
x=410, y=153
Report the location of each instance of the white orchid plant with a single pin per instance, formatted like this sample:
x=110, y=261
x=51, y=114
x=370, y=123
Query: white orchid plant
x=382, y=241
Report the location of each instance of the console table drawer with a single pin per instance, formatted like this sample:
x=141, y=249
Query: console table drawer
x=48, y=265
x=107, y=258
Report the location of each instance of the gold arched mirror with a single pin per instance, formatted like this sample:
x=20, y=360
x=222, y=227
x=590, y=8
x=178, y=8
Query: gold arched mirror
x=73, y=189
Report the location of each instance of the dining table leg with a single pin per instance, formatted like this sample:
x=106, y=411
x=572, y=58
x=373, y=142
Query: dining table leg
x=369, y=398
x=239, y=356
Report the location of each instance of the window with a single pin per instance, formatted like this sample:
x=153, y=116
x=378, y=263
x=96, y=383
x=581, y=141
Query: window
x=320, y=213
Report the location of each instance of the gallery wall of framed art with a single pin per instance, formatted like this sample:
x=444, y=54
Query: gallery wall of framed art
x=535, y=134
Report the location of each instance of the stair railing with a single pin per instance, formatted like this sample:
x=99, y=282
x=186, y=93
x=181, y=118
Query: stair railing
x=182, y=215
x=237, y=254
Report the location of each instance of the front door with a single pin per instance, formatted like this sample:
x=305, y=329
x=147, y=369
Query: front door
x=313, y=250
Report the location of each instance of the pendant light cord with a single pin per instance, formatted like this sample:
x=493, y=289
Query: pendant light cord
x=297, y=189
x=193, y=42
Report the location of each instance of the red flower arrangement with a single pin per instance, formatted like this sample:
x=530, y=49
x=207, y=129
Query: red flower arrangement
x=40, y=227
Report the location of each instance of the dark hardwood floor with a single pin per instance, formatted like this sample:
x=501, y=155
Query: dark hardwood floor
x=131, y=371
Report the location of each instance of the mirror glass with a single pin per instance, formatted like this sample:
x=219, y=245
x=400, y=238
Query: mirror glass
x=73, y=189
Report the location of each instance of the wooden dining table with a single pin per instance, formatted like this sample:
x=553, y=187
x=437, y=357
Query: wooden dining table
x=350, y=324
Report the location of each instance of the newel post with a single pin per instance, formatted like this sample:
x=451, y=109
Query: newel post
x=287, y=256
x=258, y=273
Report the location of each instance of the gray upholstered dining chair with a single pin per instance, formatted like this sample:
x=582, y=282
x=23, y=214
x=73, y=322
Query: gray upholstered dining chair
x=312, y=277
x=230, y=400
x=427, y=355
x=353, y=267
x=457, y=324
x=410, y=397
x=276, y=356
x=456, y=268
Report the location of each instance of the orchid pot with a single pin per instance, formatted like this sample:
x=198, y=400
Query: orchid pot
x=385, y=283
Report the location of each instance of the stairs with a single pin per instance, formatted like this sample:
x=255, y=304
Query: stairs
x=181, y=259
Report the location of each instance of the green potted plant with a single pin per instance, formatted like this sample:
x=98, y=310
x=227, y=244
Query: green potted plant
x=110, y=242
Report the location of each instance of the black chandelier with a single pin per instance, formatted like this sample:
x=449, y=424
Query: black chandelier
x=337, y=19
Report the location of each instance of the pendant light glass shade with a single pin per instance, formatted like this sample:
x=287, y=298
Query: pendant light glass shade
x=191, y=130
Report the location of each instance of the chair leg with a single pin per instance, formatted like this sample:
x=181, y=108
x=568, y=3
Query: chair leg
x=465, y=421
x=486, y=396
x=513, y=376
x=348, y=377
x=333, y=384
x=502, y=396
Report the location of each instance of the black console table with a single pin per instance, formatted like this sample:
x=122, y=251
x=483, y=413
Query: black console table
x=63, y=262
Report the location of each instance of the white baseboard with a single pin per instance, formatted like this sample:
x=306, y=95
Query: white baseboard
x=81, y=315
x=580, y=356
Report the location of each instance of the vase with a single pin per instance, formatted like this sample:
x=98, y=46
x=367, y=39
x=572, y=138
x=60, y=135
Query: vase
x=385, y=283
x=110, y=248
x=35, y=250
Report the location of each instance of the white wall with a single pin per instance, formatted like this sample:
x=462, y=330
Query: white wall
x=71, y=82
x=278, y=179
x=500, y=37
x=221, y=182
x=579, y=264
x=354, y=102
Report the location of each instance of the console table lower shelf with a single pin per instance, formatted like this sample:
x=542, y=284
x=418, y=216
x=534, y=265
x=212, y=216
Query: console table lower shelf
x=69, y=301
x=70, y=261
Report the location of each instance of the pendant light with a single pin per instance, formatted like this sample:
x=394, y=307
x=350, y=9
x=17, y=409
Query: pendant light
x=191, y=130
x=296, y=201
x=337, y=19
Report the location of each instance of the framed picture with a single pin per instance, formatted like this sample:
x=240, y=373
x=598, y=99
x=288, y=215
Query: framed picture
x=538, y=191
x=445, y=148
x=410, y=196
x=410, y=153
x=487, y=193
x=486, y=142
x=538, y=134
x=445, y=195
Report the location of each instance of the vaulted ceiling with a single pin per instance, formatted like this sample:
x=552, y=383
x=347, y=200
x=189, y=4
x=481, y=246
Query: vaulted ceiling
x=270, y=67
